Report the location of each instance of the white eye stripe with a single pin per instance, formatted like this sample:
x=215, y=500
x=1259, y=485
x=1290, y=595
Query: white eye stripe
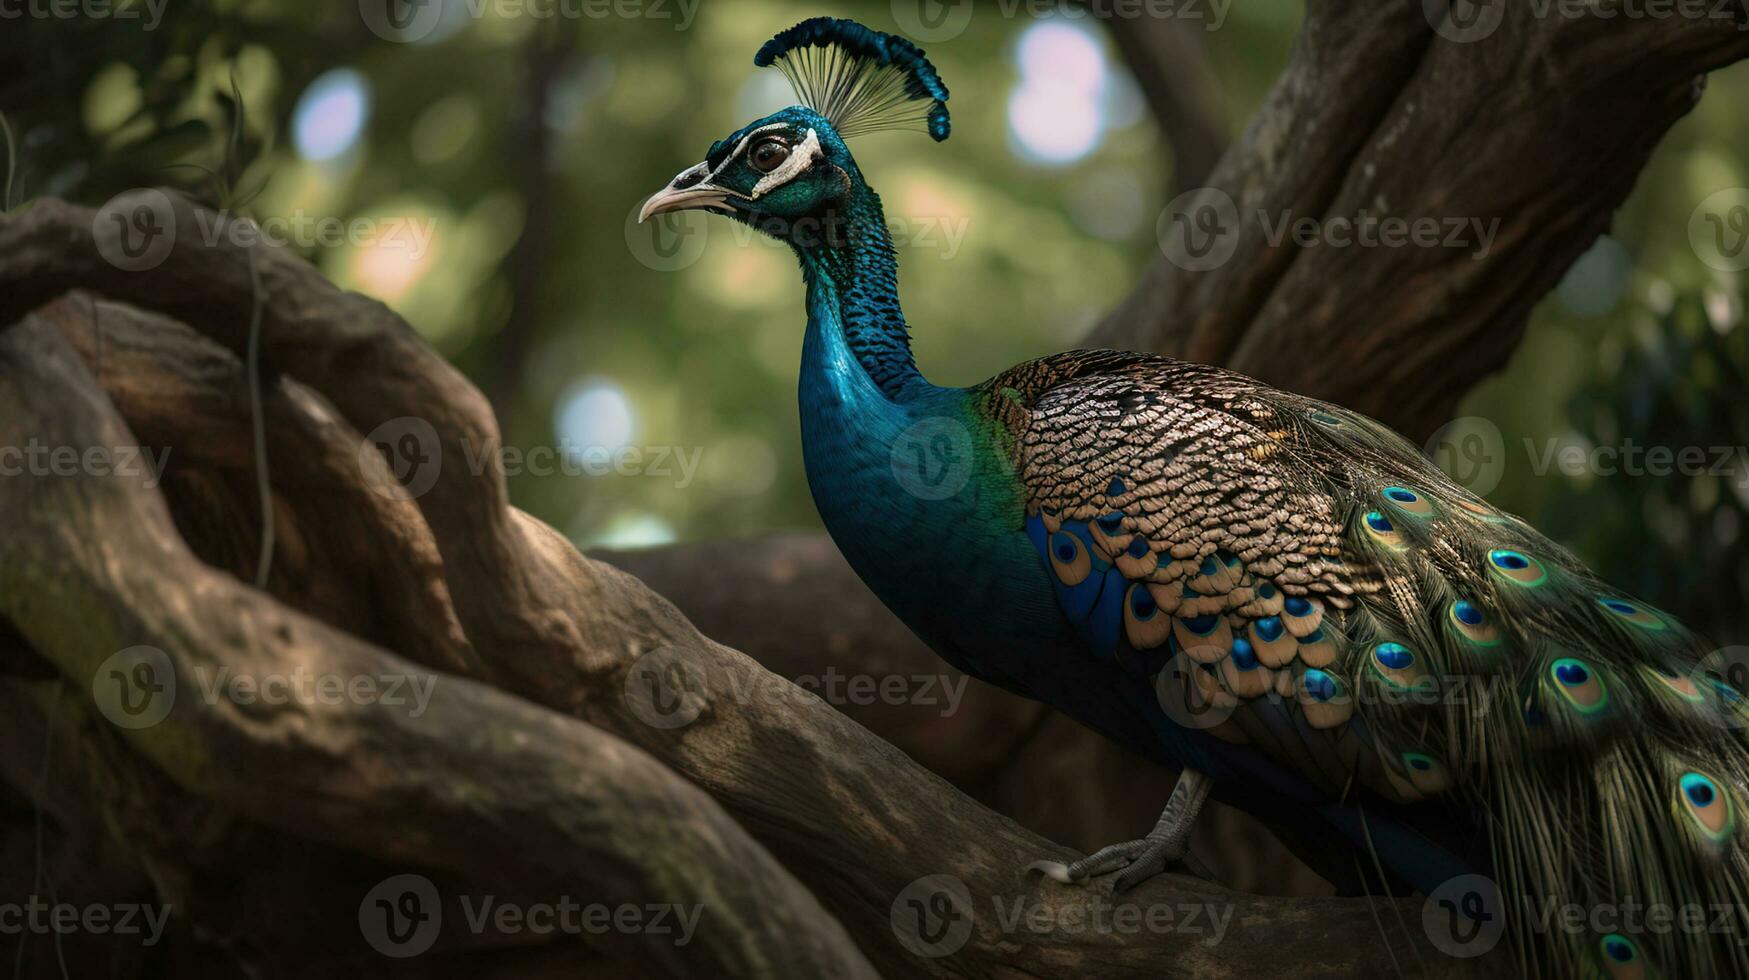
x=798, y=160
x=736, y=152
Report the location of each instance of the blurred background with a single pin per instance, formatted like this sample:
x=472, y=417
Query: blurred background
x=478, y=167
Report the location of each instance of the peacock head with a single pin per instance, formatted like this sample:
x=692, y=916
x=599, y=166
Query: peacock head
x=790, y=174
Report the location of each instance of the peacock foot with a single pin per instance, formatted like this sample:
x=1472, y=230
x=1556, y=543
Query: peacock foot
x=1138, y=860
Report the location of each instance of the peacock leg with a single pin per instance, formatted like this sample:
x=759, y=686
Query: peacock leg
x=1166, y=844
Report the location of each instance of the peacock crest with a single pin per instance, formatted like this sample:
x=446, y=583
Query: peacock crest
x=861, y=81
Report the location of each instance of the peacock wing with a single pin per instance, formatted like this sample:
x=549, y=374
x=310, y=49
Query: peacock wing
x=1363, y=617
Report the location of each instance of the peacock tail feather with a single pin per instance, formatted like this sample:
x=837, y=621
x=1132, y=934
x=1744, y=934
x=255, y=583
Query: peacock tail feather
x=1371, y=625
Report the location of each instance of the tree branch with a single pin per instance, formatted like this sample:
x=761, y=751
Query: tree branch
x=588, y=813
x=1541, y=126
x=1169, y=58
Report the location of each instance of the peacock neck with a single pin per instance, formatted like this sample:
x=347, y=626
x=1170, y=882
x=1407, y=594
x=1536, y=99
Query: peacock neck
x=853, y=288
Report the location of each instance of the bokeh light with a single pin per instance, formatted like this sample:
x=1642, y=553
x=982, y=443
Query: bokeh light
x=630, y=530
x=331, y=114
x=1598, y=279
x=593, y=414
x=1057, y=114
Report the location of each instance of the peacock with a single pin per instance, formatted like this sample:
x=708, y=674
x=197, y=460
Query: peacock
x=1281, y=598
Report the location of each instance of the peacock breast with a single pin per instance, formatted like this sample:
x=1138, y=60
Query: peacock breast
x=919, y=498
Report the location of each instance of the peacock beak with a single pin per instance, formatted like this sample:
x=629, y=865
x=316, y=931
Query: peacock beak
x=686, y=191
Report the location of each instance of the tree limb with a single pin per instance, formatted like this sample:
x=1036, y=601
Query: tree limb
x=1169, y=58
x=1541, y=126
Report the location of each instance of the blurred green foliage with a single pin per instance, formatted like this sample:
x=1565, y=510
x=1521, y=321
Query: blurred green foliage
x=525, y=144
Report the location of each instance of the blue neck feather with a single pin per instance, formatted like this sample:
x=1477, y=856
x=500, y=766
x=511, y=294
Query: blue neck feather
x=852, y=268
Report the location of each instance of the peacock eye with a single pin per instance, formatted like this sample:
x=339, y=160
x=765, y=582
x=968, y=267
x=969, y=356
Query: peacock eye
x=768, y=155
